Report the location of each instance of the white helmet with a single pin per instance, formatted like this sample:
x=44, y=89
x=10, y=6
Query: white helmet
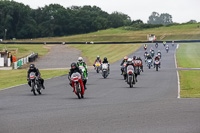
x=129, y=61
x=80, y=59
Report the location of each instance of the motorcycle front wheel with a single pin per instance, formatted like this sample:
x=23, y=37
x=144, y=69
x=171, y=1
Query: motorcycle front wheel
x=33, y=88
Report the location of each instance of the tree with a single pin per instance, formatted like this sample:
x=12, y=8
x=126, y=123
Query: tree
x=156, y=18
x=192, y=21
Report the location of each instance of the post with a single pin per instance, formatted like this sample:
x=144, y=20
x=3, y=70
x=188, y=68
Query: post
x=5, y=34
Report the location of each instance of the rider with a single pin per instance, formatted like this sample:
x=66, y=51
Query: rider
x=145, y=46
x=149, y=58
x=105, y=60
x=130, y=62
x=82, y=63
x=32, y=68
x=156, y=44
x=124, y=60
x=97, y=60
x=159, y=53
x=134, y=58
x=138, y=58
x=157, y=58
x=74, y=69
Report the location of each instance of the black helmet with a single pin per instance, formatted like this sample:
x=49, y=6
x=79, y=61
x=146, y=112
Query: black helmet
x=32, y=66
x=98, y=57
x=134, y=57
x=73, y=65
x=105, y=59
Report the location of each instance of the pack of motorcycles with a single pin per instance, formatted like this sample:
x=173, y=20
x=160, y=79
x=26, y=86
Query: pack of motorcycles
x=129, y=74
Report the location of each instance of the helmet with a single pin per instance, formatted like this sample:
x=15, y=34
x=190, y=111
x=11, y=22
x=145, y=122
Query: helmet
x=147, y=54
x=32, y=66
x=156, y=56
x=80, y=59
x=105, y=59
x=73, y=65
x=129, y=61
x=125, y=58
x=134, y=57
x=98, y=57
x=137, y=58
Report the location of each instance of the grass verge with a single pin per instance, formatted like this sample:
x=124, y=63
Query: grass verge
x=188, y=55
x=189, y=81
x=166, y=33
x=22, y=50
x=113, y=52
x=10, y=78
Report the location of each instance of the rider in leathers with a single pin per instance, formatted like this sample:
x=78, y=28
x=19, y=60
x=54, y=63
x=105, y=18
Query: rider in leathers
x=130, y=62
x=32, y=68
x=124, y=60
x=157, y=58
x=81, y=62
x=97, y=60
x=75, y=69
x=106, y=61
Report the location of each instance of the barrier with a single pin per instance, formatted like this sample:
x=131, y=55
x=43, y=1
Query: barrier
x=25, y=60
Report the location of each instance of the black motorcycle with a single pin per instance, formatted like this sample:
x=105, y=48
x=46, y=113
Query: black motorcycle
x=35, y=84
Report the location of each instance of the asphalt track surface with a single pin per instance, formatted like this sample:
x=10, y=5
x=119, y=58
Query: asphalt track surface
x=110, y=106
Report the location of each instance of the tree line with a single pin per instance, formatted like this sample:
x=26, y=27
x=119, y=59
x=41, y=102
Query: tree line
x=20, y=21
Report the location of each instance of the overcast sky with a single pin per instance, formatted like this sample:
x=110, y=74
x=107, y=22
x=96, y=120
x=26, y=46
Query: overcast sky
x=181, y=10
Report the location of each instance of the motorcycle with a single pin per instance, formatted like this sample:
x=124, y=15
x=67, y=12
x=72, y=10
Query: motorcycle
x=156, y=45
x=149, y=63
x=35, y=84
x=138, y=65
x=145, y=47
x=159, y=55
x=152, y=53
x=130, y=76
x=77, y=84
x=105, y=70
x=97, y=66
x=145, y=57
x=167, y=49
x=156, y=63
x=84, y=72
x=123, y=69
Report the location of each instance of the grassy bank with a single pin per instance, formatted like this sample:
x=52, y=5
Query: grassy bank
x=189, y=81
x=188, y=55
x=113, y=52
x=10, y=78
x=22, y=50
x=176, y=32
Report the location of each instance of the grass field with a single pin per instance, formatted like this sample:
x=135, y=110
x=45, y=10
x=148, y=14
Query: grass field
x=188, y=55
x=189, y=80
x=176, y=32
x=22, y=50
x=10, y=78
x=113, y=52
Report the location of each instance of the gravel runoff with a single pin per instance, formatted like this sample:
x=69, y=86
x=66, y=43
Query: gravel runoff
x=59, y=57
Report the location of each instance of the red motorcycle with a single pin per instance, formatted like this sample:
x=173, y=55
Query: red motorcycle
x=77, y=85
x=145, y=48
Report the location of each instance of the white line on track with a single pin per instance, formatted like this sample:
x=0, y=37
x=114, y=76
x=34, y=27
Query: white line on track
x=177, y=72
x=24, y=84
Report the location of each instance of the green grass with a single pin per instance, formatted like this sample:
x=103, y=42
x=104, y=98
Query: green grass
x=176, y=32
x=189, y=81
x=10, y=78
x=188, y=55
x=25, y=49
x=113, y=52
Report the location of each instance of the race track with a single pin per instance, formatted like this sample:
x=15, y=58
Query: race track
x=110, y=105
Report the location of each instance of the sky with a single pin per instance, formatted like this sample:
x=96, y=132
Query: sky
x=181, y=10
